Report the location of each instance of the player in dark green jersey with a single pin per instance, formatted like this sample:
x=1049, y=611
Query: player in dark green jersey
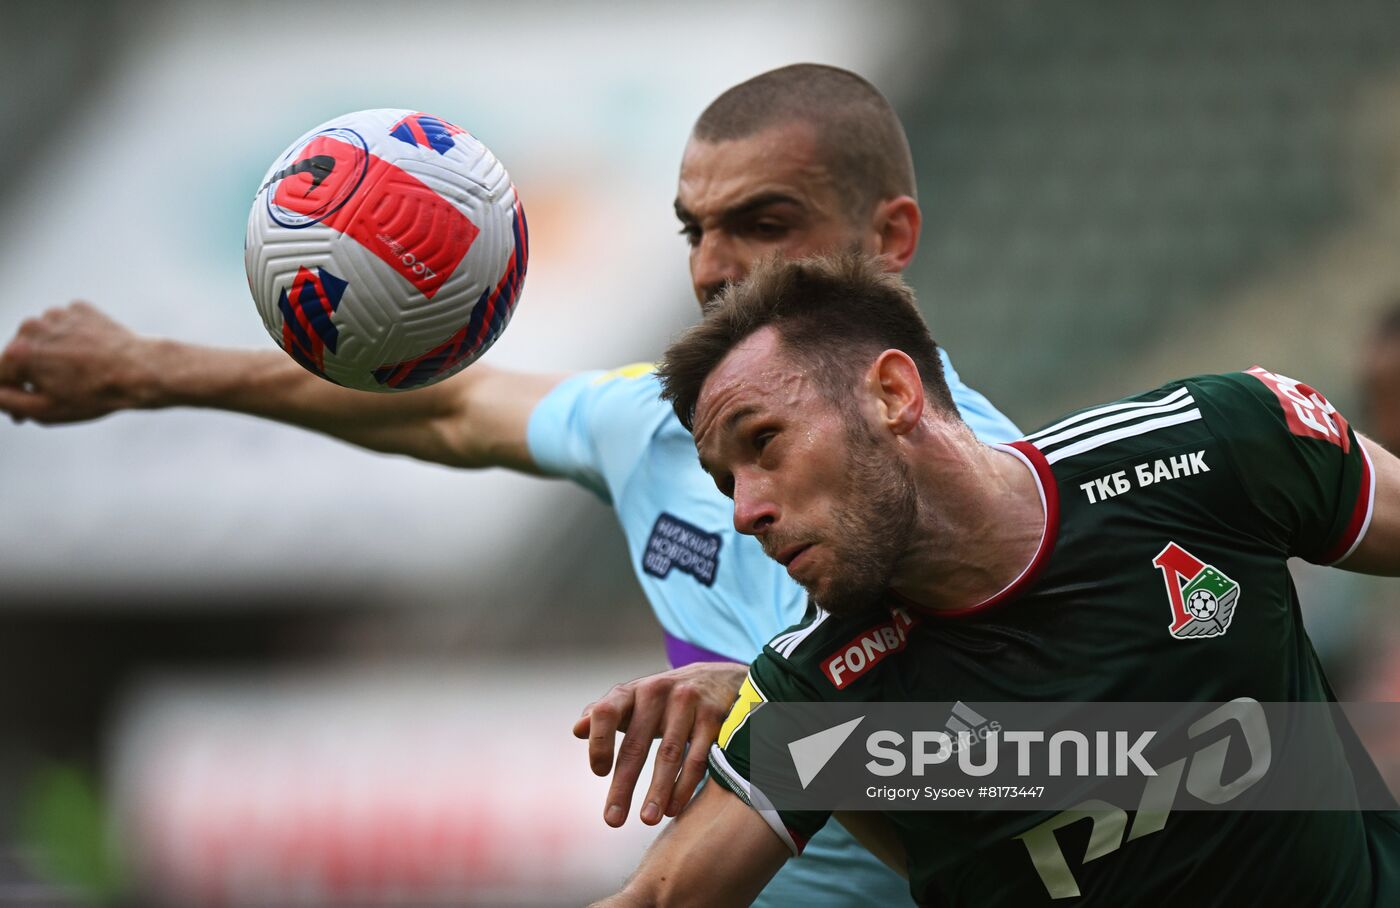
x=1130, y=552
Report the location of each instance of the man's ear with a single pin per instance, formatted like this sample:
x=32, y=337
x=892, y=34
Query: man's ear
x=897, y=222
x=899, y=391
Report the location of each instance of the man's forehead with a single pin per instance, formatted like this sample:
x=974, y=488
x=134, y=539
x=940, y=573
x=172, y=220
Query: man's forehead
x=758, y=378
x=744, y=382
x=716, y=175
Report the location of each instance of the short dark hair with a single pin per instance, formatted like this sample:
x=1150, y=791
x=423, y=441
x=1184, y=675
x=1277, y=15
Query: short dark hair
x=828, y=310
x=859, y=136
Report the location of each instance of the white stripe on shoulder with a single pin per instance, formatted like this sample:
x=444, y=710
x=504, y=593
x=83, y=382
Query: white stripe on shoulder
x=1101, y=411
x=782, y=639
x=779, y=640
x=754, y=798
x=789, y=642
x=1141, y=428
x=1114, y=419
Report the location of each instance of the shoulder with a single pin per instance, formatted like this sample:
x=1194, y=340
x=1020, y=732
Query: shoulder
x=826, y=657
x=1253, y=402
x=1093, y=437
x=1266, y=400
x=637, y=380
x=593, y=426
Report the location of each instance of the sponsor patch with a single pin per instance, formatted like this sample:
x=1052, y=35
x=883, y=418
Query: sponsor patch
x=1308, y=413
x=683, y=546
x=867, y=650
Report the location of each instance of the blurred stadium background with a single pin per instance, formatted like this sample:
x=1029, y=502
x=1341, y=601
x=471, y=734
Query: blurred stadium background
x=244, y=665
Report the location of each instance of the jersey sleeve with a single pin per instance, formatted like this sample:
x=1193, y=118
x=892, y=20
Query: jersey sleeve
x=988, y=423
x=594, y=427
x=770, y=679
x=1302, y=468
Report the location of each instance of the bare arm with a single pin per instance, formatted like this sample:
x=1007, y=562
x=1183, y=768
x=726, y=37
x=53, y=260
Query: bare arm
x=718, y=852
x=76, y=364
x=1379, y=551
x=876, y=833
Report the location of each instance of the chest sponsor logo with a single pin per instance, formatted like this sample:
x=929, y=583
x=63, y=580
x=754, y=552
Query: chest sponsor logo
x=683, y=546
x=867, y=650
x=1202, y=598
x=1308, y=413
x=1143, y=475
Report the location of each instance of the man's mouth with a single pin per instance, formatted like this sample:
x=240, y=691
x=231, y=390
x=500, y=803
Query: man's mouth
x=787, y=556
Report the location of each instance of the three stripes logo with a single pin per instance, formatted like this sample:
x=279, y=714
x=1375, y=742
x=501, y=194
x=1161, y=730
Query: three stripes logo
x=307, y=307
x=964, y=720
x=1104, y=425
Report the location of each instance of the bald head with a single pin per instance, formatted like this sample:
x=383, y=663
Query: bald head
x=860, y=139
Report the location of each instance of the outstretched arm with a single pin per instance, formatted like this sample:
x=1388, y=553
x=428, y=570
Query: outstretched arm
x=718, y=852
x=75, y=364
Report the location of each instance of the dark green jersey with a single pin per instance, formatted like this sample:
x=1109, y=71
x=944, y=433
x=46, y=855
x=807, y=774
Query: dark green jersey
x=1161, y=576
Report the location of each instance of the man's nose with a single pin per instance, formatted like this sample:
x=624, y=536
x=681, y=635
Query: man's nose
x=713, y=263
x=754, y=513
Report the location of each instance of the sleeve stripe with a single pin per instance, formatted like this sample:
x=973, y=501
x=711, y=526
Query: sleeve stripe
x=754, y=798
x=786, y=644
x=1361, y=513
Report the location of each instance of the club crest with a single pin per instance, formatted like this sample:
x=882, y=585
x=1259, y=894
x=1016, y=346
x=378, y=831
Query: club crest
x=1202, y=598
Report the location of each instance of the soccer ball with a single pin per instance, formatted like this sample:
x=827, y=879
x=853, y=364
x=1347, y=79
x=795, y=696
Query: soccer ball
x=1201, y=604
x=386, y=250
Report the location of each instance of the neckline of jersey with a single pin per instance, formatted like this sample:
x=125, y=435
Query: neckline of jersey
x=1049, y=491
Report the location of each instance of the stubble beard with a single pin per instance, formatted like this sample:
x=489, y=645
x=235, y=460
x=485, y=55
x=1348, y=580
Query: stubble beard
x=872, y=531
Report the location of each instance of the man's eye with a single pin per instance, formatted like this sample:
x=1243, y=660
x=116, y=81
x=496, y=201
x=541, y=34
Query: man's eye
x=691, y=234
x=769, y=230
x=760, y=441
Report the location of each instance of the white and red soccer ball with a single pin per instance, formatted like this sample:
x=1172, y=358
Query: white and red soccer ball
x=386, y=249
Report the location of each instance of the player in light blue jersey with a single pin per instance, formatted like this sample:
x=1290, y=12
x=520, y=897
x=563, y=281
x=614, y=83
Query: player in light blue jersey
x=796, y=161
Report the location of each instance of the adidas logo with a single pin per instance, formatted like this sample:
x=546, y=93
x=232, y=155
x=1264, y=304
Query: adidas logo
x=964, y=720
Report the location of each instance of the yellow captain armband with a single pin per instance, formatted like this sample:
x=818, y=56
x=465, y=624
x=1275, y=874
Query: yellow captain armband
x=749, y=697
x=631, y=370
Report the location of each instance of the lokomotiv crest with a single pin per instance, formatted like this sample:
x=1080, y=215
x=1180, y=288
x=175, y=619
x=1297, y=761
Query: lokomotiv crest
x=1202, y=598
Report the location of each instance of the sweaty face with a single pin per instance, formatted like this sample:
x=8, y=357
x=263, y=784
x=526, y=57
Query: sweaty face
x=742, y=200
x=812, y=481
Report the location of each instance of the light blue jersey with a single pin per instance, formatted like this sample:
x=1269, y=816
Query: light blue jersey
x=717, y=596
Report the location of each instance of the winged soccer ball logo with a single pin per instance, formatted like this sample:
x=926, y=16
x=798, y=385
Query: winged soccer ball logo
x=1202, y=598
